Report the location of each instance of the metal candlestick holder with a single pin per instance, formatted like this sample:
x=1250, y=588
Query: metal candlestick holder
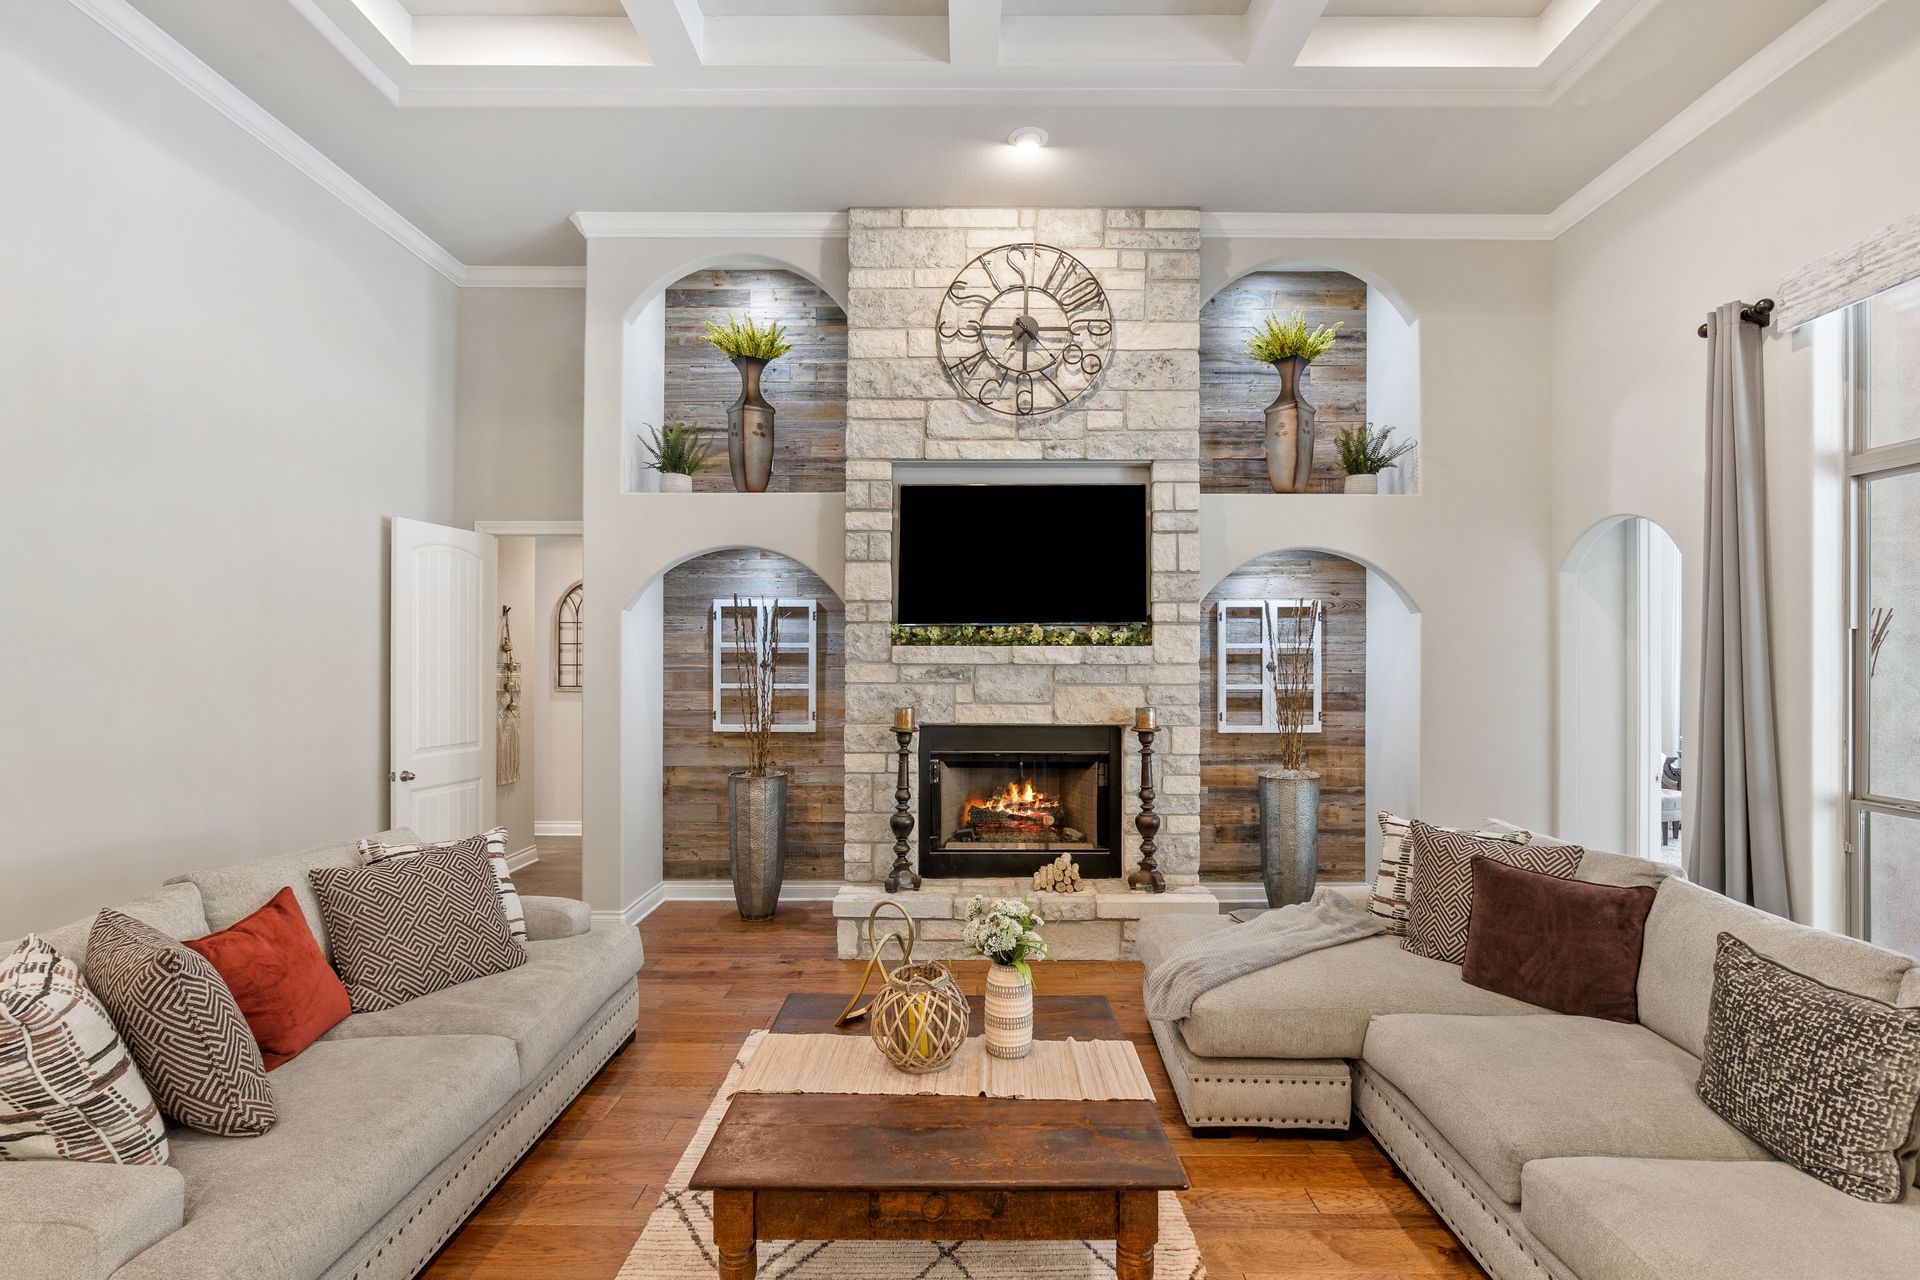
x=1146, y=877
x=903, y=876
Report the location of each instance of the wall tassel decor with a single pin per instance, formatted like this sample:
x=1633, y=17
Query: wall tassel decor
x=506, y=767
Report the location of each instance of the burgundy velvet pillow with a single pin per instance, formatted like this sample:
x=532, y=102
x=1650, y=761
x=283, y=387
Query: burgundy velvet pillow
x=1564, y=945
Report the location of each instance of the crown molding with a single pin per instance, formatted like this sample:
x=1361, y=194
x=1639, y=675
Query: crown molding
x=711, y=226
x=140, y=33
x=1377, y=226
x=1743, y=84
x=560, y=277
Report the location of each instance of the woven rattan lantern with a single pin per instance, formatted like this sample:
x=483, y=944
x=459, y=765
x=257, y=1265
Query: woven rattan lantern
x=919, y=1019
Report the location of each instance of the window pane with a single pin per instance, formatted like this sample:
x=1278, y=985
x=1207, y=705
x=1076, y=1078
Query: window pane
x=1893, y=649
x=1893, y=881
x=1893, y=412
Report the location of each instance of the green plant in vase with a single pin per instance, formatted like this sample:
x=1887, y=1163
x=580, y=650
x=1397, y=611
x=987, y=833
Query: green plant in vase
x=1289, y=344
x=678, y=452
x=1365, y=453
x=751, y=347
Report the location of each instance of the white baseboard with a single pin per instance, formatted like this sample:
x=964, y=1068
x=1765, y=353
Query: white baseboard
x=711, y=891
x=556, y=828
x=1235, y=894
x=523, y=857
x=636, y=911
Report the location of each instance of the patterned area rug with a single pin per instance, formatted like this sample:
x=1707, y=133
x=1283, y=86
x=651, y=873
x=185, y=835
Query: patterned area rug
x=678, y=1241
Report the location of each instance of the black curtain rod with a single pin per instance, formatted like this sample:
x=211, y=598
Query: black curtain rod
x=1760, y=313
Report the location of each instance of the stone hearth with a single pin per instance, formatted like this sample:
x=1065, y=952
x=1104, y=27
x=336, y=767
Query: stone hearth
x=1097, y=923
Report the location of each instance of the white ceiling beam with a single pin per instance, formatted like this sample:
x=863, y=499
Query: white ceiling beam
x=973, y=32
x=673, y=31
x=1276, y=30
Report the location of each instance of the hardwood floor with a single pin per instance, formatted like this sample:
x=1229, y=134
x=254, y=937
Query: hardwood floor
x=1264, y=1206
x=557, y=874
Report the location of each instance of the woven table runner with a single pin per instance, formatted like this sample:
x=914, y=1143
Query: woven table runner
x=1054, y=1070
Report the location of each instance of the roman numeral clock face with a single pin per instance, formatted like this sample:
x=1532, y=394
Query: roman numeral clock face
x=1025, y=330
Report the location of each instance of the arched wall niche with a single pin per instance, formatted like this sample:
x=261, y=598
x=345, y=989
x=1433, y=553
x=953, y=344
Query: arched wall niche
x=1371, y=375
x=670, y=373
x=1368, y=748
x=1622, y=700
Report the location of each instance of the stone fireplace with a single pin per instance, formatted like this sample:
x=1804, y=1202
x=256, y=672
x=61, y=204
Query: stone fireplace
x=1139, y=425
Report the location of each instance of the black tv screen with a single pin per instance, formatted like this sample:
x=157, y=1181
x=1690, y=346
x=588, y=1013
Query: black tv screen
x=1005, y=554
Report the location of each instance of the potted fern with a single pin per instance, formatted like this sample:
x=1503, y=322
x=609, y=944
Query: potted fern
x=1290, y=346
x=750, y=418
x=678, y=451
x=1365, y=453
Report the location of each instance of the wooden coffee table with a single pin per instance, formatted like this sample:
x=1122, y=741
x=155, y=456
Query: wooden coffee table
x=852, y=1167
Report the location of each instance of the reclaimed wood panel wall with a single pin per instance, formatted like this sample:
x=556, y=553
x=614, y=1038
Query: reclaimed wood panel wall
x=1235, y=392
x=807, y=387
x=697, y=760
x=1230, y=763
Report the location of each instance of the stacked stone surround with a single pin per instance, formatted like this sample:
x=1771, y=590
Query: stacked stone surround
x=1145, y=412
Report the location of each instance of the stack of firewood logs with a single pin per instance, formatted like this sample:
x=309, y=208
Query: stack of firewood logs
x=1059, y=876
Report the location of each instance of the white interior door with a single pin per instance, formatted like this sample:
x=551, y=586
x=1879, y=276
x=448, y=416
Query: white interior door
x=442, y=687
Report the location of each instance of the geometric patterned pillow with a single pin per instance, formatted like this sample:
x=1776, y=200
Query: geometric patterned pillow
x=404, y=927
x=496, y=846
x=1393, y=884
x=1825, y=1079
x=1442, y=903
x=186, y=1031
x=69, y=1089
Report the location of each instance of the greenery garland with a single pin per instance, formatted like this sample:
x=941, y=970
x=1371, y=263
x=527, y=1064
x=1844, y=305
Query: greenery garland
x=1138, y=633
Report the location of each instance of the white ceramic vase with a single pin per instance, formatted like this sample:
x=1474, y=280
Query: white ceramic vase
x=1363, y=484
x=1009, y=1012
x=674, y=482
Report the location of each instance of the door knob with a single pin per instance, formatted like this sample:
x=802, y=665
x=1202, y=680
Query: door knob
x=406, y=775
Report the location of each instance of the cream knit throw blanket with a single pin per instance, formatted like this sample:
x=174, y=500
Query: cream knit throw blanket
x=1328, y=919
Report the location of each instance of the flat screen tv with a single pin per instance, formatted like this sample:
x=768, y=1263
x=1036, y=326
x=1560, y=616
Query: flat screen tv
x=1006, y=554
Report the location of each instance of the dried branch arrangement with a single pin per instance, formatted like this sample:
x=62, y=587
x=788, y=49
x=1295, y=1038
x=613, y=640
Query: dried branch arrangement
x=1292, y=672
x=755, y=658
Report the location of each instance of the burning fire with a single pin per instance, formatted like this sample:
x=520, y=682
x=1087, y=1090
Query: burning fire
x=1018, y=803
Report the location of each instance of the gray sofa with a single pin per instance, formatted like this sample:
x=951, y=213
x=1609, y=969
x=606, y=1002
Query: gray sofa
x=393, y=1127
x=1553, y=1146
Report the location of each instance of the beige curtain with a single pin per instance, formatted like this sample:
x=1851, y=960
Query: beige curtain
x=1739, y=841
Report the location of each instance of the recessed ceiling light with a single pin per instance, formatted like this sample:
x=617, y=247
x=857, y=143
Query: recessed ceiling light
x=1027, y=138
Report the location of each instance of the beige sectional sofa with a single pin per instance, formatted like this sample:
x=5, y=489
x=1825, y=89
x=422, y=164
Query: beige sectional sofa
x=1553, y=1146
x=393, y=1127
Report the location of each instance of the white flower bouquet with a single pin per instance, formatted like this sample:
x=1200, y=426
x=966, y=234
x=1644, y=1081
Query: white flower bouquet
x=1006, y=932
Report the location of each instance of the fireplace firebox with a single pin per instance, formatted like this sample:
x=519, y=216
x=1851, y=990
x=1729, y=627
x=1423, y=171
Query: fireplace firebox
x=999, y=800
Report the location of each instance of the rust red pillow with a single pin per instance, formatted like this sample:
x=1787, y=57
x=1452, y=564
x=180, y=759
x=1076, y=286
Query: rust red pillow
x=1564, y=945
x=286, y=990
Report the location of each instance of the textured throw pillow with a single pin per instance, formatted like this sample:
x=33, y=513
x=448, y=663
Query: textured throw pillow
x=1393, y=884
x=1442, y=902
x=495, y=843
x=272, y=964
x=404, y=927
x=69, y=1089
x=1825, y=1079
x=186, y=1032
x=1562, y=944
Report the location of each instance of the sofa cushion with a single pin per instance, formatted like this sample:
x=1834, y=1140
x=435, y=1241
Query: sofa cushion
x=361, y=1123
x=1442, y=904
x=63, y=1220
x=173, y=909
x=1596, y=865
x=1676, y=962
x=1505, y=1091
x=1615, y=1219
x=1160, y=936
x=555, y=917
x=495, y=843
x=231, y=894
x=539, y=1006
x=1318, y=1005
x=273, y=966
x=1561, y=944
x=1826, y=1080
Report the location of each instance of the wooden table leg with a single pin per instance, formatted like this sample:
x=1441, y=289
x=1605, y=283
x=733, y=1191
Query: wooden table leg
x=1139, y=1231
x=733, y=1235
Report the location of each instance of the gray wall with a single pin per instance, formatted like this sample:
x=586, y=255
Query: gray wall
x=217, y=382
x=518, y=455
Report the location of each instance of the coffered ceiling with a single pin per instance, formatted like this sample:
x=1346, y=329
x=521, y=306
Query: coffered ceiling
x=487, y=123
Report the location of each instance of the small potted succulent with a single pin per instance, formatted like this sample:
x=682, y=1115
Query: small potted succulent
x=1365, y=453
x=1007, y=933
x=1290, y=346
x=750, y=418
x=678, y=451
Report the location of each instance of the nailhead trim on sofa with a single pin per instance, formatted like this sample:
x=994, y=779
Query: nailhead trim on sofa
x=1220, y=1092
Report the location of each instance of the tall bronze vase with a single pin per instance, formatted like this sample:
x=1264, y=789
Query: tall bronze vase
x=757, y=844
x=1290, y=429
x=750, y=430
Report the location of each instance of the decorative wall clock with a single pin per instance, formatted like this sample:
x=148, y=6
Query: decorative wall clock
x=1024, y=330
